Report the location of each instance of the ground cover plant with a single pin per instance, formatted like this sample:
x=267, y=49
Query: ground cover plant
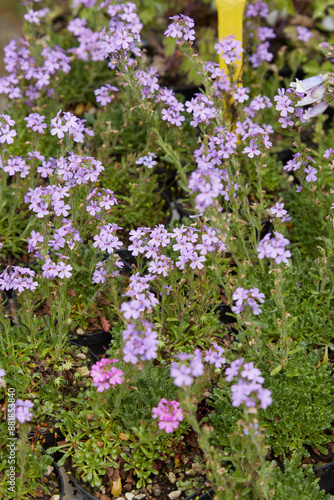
x=173, y=190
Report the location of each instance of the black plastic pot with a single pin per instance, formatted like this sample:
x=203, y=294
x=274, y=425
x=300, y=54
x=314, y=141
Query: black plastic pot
x=98, y=343
x=188, y=92
x=85, y=495
x=93, y=356
x=200, y=494
x=60, y=479
x=326, y=474
x=8, y=297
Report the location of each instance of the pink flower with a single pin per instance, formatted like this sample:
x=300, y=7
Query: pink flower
x=105, y=375
x=169, y=414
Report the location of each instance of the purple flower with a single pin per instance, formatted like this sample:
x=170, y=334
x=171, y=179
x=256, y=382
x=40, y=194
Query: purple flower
x=233, y=370
x=103, y=96
x=35, y=121
x=17, y=278
x=274, y=248
x=242, y=296
x=303, y=34
x=253, y=428
x=7, y=134
x=278, y=210
x=22, y=410
x=2, y=374
x=265, y=398
x=214, y=356
x=147, y=161
x=248, y=390
x=252, y=149
x=181, y=29
x=251, y=373
x=262, y=54
x=181, y=374
x=311, y=174
x=230, y=49
x=140, y=343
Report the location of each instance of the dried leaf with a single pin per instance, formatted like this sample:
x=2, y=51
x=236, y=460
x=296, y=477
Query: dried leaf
x=123, y=437
x=116, y=489
x=105, y=324
x=331, y=447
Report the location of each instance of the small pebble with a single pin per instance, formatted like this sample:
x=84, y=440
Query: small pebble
x=156, y=491
x=140, y=496
x=172, y=478
x=174, y=494
x=81, y=355
x=84, y=371
x=129, y=496
x=48, y=471
x=191, y=472
x=55, y=497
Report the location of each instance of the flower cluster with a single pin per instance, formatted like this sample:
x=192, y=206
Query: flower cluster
x=262, y=54
x=299, y=160
x=103, y=94
x=147, y=80
x=52, y=270
x=171, y=113
x=243, y=297
x=286, y=108
x=303, y=34
x=229, y=49
x=17, y=278
x=76, y=170
x=117, y=41
x=140, y=343
x=248, y=390
x=257, y=9
x=147, y=160
x=6, y=132
x=34, y=16
x=169, y=414
x=22, y=410
x=106, y=240
x=16, y=165
x=102, y=269
x=96, y=201
x=105, y=375
x=35, y=121
x=69, y=124
x=191, y=366
x=274, y=248
x=23, y=66
x=193, y=245
x=202, y=109
x=279, y=212
x=181, y=29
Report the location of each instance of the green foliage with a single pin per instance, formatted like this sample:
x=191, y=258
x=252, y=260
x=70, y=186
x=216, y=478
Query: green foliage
x=153, y=385
x=302, y=407
x=301, y=411
x=30, y=465
x=294, y=483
